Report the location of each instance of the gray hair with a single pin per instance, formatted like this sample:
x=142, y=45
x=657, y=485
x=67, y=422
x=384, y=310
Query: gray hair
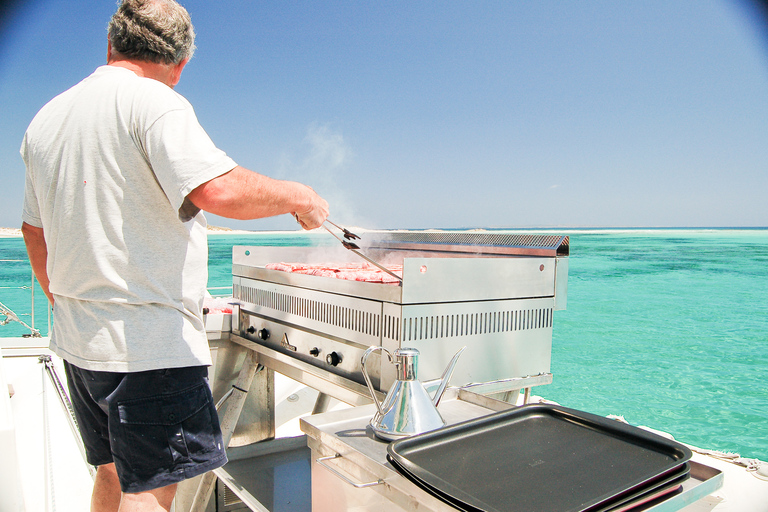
x=152, y=30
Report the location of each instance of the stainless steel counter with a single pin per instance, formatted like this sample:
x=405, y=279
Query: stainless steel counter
x=345, y=465
x=350, y=470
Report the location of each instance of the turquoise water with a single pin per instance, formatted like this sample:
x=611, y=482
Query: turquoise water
x=668, y=328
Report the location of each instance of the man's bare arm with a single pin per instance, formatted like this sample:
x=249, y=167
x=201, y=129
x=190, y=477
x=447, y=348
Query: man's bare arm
x=37, y=250
x=243, y=194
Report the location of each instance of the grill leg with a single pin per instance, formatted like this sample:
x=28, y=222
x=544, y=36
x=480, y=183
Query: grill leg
x=228, y=423
x=321, y=404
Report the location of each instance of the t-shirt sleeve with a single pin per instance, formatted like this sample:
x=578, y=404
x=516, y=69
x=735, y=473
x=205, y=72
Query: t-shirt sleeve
x=183, y=156
x=30, y=212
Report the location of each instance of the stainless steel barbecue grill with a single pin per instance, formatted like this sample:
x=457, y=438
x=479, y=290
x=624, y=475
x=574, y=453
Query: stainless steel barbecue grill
x=494, y=293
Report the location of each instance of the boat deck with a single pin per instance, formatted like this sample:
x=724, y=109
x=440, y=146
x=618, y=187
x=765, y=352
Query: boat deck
x=52, y=473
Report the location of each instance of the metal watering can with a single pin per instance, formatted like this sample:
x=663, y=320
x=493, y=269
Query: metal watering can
x=407, y=409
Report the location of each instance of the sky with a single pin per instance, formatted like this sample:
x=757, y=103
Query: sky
x=450, y=114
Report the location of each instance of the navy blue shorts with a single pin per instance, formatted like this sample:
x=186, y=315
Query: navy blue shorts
x=159, y=427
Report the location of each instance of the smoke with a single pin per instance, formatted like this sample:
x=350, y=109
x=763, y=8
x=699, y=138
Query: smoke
x=328, y=152
x=323, y=162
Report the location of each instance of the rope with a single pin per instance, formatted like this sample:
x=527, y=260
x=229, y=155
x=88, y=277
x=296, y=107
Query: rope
x=733, y=458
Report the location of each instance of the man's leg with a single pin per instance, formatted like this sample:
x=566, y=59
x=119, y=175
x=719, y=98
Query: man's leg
x=108, y=498
x=106, y=490
x=156, y=500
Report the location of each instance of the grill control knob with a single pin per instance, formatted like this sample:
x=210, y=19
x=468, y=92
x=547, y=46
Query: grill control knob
x=251, y=330
x=263, y=334
x=333, y=359
x=314, y=351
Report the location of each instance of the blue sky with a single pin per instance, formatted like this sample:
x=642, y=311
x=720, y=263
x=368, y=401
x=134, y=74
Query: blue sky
x=451, y=114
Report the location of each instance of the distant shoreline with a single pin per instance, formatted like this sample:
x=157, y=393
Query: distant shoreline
x=212, y=230
x=217, y=230
x=9, y=232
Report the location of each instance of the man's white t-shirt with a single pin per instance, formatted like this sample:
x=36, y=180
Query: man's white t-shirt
x=109, y=165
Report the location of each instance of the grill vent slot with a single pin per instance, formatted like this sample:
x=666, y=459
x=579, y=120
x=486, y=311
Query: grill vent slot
x=391, y=327
x=356, y=320
x=230, y=498
x=472, y=324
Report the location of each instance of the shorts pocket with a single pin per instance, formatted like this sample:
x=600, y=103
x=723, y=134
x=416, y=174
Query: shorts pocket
x=165, y=430
x=167, y=410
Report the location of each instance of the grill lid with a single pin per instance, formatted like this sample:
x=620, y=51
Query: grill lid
x=522, y=244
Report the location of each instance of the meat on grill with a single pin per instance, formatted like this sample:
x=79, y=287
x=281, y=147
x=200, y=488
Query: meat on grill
x=348, y=271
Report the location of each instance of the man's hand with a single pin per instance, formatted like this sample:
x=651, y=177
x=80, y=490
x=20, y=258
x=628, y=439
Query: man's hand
x=314, y=216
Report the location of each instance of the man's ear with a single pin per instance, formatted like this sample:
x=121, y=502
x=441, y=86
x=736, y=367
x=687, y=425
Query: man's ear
x=176, y=72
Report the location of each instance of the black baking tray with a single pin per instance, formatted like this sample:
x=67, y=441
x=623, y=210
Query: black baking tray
x=651, y=496
x=668, y=483
x=664, y=486
x=538, y=458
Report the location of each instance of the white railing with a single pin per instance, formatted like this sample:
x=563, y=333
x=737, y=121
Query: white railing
x=219, y=294
x=11, y=316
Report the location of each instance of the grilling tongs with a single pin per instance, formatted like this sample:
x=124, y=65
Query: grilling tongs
x=348, y=235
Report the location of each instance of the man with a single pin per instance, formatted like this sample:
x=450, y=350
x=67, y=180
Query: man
x=118, y=171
